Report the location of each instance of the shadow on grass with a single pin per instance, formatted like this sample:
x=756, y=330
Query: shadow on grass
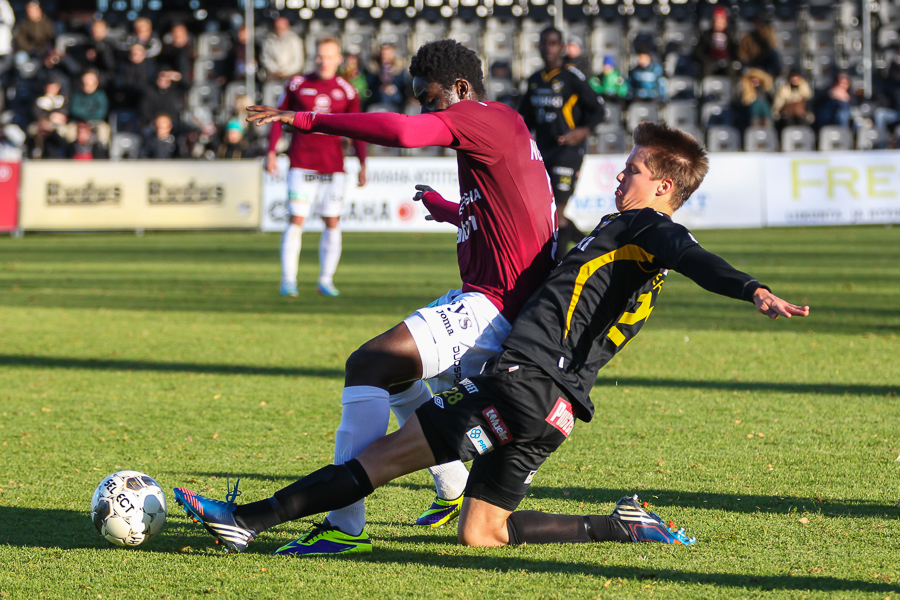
x=41, y=528
x=105, y=364
x=102, y=364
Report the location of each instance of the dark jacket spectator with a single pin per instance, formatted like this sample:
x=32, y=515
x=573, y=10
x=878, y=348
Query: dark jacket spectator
x=717, y=49
x=576, y=57
x=44, y=141
x=165, y=96
x=758, y=49
x=86, y=146
x=52, y=104
x=646, y=80
x=145, y=36
x=834, y=106
x=234, y=67
x=162, y=143
x=35, y=35
x=178, y=53
x=136, y=75
x=89, y=102
x=389, y=80
x=99, y=52
x=233, y=145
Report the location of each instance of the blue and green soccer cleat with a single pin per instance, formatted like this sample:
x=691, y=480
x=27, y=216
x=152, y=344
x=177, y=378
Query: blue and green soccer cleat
x=440, y=512
x=647, y=527
x=217, y=517
x=326, y=540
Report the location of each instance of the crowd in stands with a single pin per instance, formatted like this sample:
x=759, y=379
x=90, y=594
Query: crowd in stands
x=88, y=90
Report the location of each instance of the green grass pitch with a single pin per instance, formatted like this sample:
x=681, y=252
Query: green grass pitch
x=775, y=443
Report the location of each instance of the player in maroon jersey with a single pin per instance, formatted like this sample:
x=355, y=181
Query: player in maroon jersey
x=316, y=177
x=505, y=244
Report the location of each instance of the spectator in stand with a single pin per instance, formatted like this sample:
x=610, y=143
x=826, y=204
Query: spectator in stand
x=716, y=52
x=282, y=52
x=137, y=74
x=888, y=115
x=834, y=106
x=178, y=53
x=99, y=52
x=759, y=48
x=233, y=145
x=352, y=71
x=52, y=104
x=646, y=80
x=166, y=96
x=44, y=141
x=234, y=67
x=145, y=36
x=89, y=102
x=610, y=84
x=162, y=143
x=389, y=80
x=86, y=146
x=7, y=22
x=35, y=35
x=791, y=103
x=575, y=56
x=754, y=99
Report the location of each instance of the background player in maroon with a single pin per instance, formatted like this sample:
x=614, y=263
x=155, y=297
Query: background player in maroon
x=316, y=176
x=505, y=242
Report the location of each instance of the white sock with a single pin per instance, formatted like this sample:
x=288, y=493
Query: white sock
x=329, y=254
x=449, y=478
x=405, y=403
x=364, y=419
x=290, y=253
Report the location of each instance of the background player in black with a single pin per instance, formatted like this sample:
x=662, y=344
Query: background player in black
x=562, y=109
x=525, y=404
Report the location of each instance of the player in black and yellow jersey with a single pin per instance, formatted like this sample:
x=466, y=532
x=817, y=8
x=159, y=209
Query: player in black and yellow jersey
x=526, y=401
x=562, y=109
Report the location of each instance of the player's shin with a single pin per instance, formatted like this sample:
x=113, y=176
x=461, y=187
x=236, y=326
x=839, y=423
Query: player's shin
x=533, y=527
x=329, y=488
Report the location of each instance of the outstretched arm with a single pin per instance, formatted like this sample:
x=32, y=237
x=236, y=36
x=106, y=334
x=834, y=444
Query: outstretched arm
x=713, y=273
x=442, y=211
x=386, y=129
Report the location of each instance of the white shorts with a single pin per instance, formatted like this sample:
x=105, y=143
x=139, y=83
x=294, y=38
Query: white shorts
x=456, y=335
x=321, y=192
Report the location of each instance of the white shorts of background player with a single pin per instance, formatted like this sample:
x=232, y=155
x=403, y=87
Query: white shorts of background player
x=315, y=193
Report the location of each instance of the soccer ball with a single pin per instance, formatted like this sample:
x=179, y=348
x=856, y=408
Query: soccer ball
x=128, y=508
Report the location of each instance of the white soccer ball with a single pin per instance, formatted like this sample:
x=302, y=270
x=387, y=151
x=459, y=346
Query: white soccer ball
x=128, y=508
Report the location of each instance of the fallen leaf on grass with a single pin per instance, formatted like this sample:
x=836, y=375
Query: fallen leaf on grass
x=804, y=520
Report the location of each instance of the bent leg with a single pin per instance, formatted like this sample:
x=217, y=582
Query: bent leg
x=482, y=524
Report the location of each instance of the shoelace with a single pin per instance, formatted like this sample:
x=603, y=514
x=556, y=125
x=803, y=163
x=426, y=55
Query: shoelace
x=233, y=494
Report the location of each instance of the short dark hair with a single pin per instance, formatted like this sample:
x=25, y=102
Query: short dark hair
x=673, y=154
x=551, y=29
x=446, y=62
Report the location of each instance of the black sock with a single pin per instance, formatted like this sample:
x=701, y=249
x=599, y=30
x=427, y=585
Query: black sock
x=329, y=488
x=533, y=527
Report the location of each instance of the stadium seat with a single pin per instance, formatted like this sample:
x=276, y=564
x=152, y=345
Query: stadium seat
x=760, y=139
x=835, y=137
x=208, y=95
x=204, y=70
x=871, y=138
x=608, y=141
x=606, y=40
x=681, y=87
x=715, y=113
x=798, y=138
x=500, y=40
x=271, y=92
x=213, y=45
x=66, y=41
x=428, y=31
x=123, y=121
x=694, y=131
x=723, y=138
x=681, y=113
x=232, y=91
x=125, y=146
x=612, y=116
x=641, y=111
x=716, y=88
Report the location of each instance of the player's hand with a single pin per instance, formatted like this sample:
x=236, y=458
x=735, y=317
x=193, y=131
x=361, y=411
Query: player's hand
x=574, y=137
x=266, y=114
x=272, y=164
x=773, y=307
x=419, y=194
x=362, y=178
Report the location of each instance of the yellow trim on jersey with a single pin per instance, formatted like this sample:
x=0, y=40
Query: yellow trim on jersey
x=567, y=111
x=630, y=318
x=628, y=252
x=548, y=76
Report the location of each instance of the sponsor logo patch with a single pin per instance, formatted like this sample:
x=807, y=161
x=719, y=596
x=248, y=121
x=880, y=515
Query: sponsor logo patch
x=439, y=401
x=530, y=478
x=470, y=387
x=480, y=440
x=497, y=424
x=562, y=417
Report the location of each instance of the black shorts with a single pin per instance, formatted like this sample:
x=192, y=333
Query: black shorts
x=564, y=166
x=507, y=420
